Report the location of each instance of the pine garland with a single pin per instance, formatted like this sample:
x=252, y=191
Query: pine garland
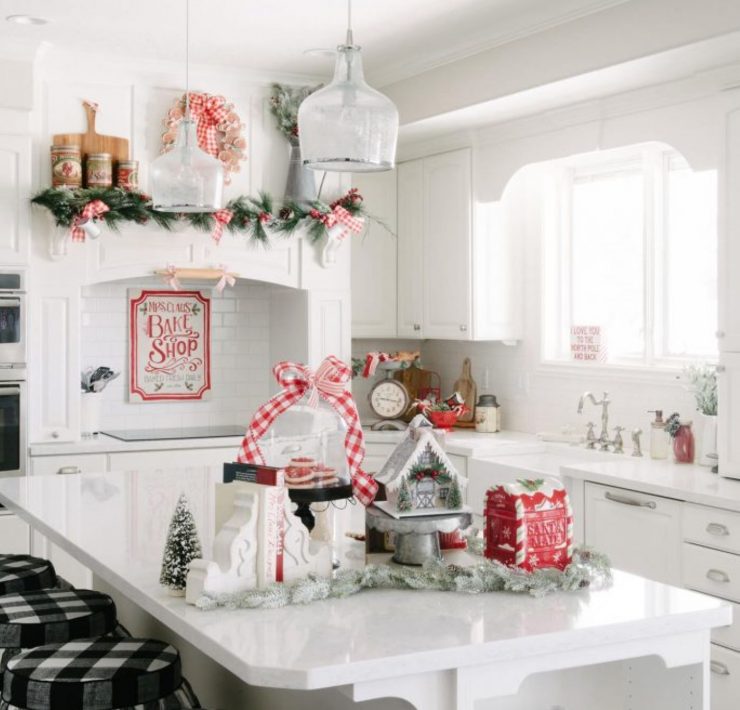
x=589, y=569
x=254, y=216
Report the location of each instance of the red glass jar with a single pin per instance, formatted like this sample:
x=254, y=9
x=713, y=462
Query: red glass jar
x=683, y=444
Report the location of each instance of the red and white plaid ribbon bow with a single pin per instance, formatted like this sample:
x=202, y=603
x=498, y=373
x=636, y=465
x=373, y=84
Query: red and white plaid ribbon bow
x=330, y=384
x=208, y=112
x=170, y=277
x=372, y=360
x=91, y=211
x=226, y=279
x=222, y=217
x=342, y=217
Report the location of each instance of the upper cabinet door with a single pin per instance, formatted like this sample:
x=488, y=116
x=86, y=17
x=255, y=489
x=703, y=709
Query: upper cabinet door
x=447, y=246
x=15, y=189
x=411, y=208
x=728, y=333
x=374, y=260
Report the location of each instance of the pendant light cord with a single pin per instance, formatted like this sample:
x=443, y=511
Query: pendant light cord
x=350, y=39
x=187, y=60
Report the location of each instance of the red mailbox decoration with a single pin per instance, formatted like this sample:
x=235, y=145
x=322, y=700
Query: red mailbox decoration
x=529, y=524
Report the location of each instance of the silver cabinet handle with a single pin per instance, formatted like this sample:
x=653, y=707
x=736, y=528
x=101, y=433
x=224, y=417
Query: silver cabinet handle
x=719, y=668
x=67, y=470
x=720, y=334
x=624, y=500
x=417, y=326
x=55, y=435
x=463, y=328
x=717, y=575
x=717, y=529
x=720, y=368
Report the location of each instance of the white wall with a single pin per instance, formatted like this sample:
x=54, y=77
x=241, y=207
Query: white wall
x=240, y=367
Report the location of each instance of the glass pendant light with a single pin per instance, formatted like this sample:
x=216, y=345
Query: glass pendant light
x=187, y=179
x=348, y=126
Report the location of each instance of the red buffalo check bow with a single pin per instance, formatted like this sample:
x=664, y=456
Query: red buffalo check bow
x=329, y=383
x=222, y=218
x=92, y=210
x=340, y=216
x=208, y=112
x=226, y=279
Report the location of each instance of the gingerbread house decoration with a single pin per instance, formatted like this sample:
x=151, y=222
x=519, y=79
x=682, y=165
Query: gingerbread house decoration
x=529, y=524
x=419, y=476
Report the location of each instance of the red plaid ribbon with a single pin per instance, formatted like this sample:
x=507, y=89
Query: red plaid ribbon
x=222, y=217
x=330, y=384
x=372, y=360
x=208, y=112
x=92, y=210
x=170, y=277
x=341, y=216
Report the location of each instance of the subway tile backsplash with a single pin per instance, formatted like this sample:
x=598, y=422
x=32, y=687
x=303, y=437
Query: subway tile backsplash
x=240, y=367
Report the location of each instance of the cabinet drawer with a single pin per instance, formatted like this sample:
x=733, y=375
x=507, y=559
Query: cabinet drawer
x=74, y=463
x=729, y=635
x=725, y=678
x=171, y=458
x=712, y=527
x=640, y=533
x=711, y=571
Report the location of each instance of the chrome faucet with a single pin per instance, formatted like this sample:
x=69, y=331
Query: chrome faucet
x=604, y=404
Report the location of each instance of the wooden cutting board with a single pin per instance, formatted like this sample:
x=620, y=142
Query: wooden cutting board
x=413, y=379
x=465, y=385
x=92, y=142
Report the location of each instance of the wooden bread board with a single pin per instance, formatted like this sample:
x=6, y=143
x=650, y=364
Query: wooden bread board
x=413, y=379
x=465, y=385
x=92, y=142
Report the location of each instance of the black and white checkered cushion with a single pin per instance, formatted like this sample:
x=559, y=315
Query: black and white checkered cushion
x=54, y=616
x=23, y=573
x=97, y=674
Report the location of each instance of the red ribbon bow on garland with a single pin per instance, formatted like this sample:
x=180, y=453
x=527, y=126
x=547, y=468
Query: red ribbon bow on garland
x=209, y=112
x=91, y=211
x=329, y=383
x=222, y=217
x=342, y=217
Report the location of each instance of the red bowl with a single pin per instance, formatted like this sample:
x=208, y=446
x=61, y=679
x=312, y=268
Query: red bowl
x=442, y=420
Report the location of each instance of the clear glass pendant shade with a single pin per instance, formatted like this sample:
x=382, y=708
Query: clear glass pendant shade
x=348, y=126
x=187, y=179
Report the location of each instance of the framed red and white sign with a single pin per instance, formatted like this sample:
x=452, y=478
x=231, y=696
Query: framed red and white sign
x=169, y=345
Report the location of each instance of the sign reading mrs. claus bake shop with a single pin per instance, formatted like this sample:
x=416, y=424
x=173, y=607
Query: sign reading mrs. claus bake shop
x=169, y=340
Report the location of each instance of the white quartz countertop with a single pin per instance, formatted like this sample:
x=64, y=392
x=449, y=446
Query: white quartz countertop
x=116, y=524
x=468, y=442
x=680, y=481
x=102, y=444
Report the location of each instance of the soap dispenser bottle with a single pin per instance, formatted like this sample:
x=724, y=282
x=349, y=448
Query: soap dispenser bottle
x=659, y=438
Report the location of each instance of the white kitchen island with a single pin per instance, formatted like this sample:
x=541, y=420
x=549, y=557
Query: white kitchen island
x=637, y=644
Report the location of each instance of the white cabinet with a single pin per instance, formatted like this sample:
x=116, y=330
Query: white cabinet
x=640, y=533
x=54, y=363
x=69, y=464
x=446, y=264
x=15, y=536
x=15, y=189
x=729, y=240
x=374, y=260
x=728, y=392
x=410, y=248
x=148, y=460
x=458, y=266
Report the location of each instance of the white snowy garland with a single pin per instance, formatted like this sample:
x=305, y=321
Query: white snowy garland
x=588, y=569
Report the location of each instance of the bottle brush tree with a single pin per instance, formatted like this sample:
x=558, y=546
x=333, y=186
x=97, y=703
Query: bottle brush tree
x=404, y=502
x=454, y=495
x=181, y=548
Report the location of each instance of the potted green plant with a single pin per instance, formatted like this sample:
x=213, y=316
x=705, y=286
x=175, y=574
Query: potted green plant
x=702, y=383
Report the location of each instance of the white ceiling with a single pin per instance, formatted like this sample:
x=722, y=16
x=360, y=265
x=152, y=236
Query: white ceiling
x=400, y=38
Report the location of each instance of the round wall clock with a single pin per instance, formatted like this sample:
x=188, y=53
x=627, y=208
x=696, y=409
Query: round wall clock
x=389, y=399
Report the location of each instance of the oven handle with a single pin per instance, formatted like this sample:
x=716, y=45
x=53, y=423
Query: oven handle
x=10, y=390
x=11, y=302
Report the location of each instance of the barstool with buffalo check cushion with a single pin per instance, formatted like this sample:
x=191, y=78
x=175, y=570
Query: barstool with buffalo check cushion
x=23, y=573
x=97, y=674
x=52, y=616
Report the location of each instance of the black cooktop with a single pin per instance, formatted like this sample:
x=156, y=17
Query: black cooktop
x=192, y=432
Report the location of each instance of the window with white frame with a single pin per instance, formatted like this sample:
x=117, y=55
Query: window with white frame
x=630, y=260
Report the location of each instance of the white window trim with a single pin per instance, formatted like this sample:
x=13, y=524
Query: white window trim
x=664, y=368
